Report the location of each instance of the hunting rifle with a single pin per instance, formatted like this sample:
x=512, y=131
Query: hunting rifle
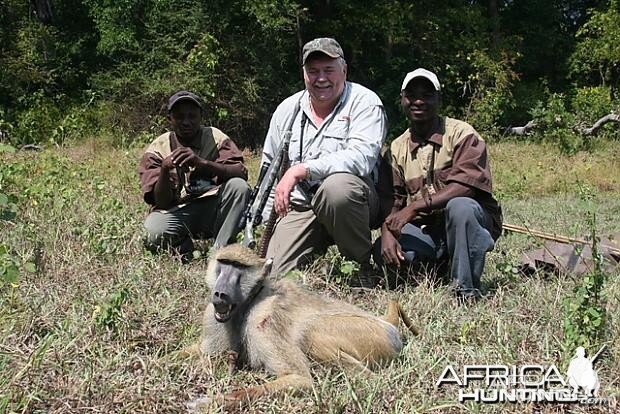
x=269, y=174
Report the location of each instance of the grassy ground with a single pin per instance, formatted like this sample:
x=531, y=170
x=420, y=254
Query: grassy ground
x=88, y=325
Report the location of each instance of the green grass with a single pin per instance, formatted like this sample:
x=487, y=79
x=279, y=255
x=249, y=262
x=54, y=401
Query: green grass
x=90, y=327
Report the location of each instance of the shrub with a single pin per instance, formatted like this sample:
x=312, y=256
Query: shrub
x=491, y=83
x=590, y=104
x=554, y=125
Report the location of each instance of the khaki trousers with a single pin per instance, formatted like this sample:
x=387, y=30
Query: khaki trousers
x=216, y=216
x=343, y=210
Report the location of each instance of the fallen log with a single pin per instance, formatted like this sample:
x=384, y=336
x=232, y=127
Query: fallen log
x=593, y=130
x=612, y=117
x=521, y=130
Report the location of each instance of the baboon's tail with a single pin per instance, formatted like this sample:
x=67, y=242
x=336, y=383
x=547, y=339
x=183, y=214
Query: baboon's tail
x=395, y=313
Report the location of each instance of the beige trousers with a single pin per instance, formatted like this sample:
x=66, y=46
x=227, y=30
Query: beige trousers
x=344, y=209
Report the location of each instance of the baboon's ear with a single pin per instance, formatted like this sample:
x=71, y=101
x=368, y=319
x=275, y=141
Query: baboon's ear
x=266, y=268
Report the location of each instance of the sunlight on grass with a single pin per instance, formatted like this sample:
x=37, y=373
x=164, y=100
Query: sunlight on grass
x=91, y=325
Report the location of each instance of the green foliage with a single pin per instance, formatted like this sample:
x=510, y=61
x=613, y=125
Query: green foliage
x=109, y=313
x=491, y=82
x=584, y=311
x=597, y=53
x=279, y=15
x=106, y=67
x=341, y=270
x=554, y=123
x=10, y=263
x=37, y=122
x=591, y=103
x=116, y=25
x=509, y=269
x=8, y=205
x=9, y=267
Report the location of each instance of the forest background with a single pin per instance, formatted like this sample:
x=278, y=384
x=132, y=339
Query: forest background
x=74, y=69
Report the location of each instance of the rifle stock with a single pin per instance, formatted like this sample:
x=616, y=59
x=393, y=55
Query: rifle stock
x=248, y=231
x=269, y=174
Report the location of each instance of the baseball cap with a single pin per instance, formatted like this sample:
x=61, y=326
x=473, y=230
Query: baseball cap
x=184, y=96
x=325, y=45
x=421, y=73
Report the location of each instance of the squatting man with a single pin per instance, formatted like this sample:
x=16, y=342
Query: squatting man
x=327, y=195
x=435, y=185
x=194, y=180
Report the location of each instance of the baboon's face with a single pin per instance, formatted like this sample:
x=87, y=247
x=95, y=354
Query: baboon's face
x=231, y=289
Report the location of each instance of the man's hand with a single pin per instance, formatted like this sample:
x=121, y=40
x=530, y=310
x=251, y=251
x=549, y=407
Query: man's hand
x=391, y=250
x=184, y=157
x=167, y=164
x=396, y=221
x=283, y=190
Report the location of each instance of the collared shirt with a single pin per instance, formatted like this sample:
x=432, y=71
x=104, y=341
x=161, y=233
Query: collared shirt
x=420, y=166
x=212, y=144
x=349, y=140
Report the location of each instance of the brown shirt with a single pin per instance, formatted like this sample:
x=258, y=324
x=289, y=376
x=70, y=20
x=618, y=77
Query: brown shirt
x=212, y=145
x=415, y=168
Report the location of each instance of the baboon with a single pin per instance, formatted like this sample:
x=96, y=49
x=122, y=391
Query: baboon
x=279, y=326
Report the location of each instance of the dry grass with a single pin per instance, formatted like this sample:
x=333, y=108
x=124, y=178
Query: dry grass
x=91, y=330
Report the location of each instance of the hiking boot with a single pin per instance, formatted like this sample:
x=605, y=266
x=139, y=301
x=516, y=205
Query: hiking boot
x=468, y=297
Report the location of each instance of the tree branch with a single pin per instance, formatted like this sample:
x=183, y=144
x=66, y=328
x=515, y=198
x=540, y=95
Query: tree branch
x=522, y=130
x=612, y=117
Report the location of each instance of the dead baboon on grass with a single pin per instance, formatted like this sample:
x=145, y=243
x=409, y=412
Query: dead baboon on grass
x=280, y=327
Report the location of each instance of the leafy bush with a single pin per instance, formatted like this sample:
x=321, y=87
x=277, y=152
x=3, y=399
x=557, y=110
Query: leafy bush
x=36, y=123
x=591, y=103
x=554, y=125
x=585, y=316
x=491, y=82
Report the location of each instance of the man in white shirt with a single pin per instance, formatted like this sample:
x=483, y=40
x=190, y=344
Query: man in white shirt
x=327, y=195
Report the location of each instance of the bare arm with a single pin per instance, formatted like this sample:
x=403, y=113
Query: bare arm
x=163, y=192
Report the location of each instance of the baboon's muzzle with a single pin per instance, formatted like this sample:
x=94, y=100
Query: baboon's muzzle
x=223, y=309
x=226, y=293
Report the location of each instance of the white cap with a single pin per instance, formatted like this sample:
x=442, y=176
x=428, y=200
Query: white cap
x=421, y=73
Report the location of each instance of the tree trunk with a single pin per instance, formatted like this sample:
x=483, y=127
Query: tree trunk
x=494, y=22
x=43, y=10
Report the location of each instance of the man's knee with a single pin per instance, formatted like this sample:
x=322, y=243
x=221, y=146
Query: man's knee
x=339, y=190
x=465, y=215
x=159, y=232
x=237, y=188
x=462, y=209
x=155, y=226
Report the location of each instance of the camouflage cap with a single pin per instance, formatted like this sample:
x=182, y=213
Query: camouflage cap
x=325, y=45
x=184, y=96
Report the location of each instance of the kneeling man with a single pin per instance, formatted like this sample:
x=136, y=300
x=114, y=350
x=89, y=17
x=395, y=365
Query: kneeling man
x=435, y=184
x=194, y=180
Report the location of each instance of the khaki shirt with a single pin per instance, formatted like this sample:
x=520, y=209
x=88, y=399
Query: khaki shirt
x=415, y=168
x=212, y=145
